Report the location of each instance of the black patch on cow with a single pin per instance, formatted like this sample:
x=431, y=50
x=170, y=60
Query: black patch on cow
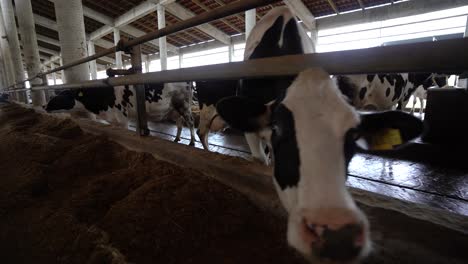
x=265, y=90
x=387, y=92
x=346, y=87
x=362, y=93
x=381, y=77
x=398, y=82
x=370, y=77
x=210, y=92
x=126, y=96
x=65, y=100
x=286, y=152
x=153, y=92
x=97, y=100
x=242, y=113
x=119, y=106
x=440, y=81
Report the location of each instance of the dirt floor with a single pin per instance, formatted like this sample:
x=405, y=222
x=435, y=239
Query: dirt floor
x=71, y=197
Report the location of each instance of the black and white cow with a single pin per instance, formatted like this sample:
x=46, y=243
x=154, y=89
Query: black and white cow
x=386, y=91
x=313, y=132
x=208, y=94
x=117, y=105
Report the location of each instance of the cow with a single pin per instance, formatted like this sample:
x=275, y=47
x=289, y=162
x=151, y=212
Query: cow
x=208, y=94
x=313, y=132
x=386, y=91
x=117, y=105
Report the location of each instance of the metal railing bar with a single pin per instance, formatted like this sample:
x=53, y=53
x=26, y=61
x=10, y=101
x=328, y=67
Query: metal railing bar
x=446, y=56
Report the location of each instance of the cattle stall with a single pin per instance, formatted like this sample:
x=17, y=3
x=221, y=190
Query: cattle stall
x=115, y=195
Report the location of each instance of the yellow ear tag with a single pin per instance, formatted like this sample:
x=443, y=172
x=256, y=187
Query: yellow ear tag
x=80, y=94
x=386, y=139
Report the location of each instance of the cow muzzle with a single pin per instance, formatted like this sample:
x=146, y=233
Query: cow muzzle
x=331, y=235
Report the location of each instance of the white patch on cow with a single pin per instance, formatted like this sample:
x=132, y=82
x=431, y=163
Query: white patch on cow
x=266, y=22
x=322, y=117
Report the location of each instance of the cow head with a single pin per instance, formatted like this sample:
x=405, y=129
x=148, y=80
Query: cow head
x=65, y=100
x=315, y=133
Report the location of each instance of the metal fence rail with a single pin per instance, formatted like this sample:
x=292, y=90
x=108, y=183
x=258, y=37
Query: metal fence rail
x=447, y=56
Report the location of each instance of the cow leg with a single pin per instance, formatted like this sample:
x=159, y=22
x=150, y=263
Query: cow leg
x=421, y=110
x=414, y=104
x=256, y=147
x=179, y=124
x=188, y=118
x=206, y=117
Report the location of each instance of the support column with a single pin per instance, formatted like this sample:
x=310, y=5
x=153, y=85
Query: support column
x=92, y=64
x=6, y=55
x=54, y=75
x=70, y=22
x=30, y=48
x=464, y=82
x=62, y=72
x=231, y=51
x=15, y=51
x=250, y=20
x=181, y=59
x=118, y=54
x=3, y=75
x=147, y=63
x=162, y=41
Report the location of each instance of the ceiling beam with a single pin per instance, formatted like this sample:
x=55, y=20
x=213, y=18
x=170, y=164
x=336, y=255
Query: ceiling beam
x=225, y=21
x=300, y=10
x=109, y=24
x=397, y=10
x=184, y=14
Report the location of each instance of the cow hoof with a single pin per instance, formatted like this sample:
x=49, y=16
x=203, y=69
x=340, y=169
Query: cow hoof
x=176, y=139
x=191, y=143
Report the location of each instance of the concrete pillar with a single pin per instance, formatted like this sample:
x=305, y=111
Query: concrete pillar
x=464, y=82
x=70, y=22
x=54, y=75
x=15, y=51
x=181, y=59
x=466, y=28
x=147, y=63
x=162, y=41
x=92, y=64
x=118, y=54
x=62, y=72
x=30, y=48
x=3, y=77
x=250, y=20
x=6, y=54
x=231, y=51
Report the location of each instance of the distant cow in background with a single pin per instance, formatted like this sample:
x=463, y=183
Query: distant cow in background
x=208, y=94
x=117, y=105
x=385, y=91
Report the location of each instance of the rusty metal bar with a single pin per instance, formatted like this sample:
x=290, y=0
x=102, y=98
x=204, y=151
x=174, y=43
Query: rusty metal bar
x=227, y=10
x=446, y=56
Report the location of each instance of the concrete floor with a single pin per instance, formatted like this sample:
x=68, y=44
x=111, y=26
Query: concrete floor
x=437, y=186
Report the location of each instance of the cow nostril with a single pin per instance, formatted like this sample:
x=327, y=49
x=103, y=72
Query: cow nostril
x=343, y=244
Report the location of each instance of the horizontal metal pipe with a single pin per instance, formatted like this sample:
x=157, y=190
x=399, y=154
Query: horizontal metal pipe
x=446, y=56
x=217, y=13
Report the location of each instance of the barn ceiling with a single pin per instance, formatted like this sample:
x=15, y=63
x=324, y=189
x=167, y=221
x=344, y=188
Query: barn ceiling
x=231, y=25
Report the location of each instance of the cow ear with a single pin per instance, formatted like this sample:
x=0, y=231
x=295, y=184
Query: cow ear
x=387, y=131
x=243, y=113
